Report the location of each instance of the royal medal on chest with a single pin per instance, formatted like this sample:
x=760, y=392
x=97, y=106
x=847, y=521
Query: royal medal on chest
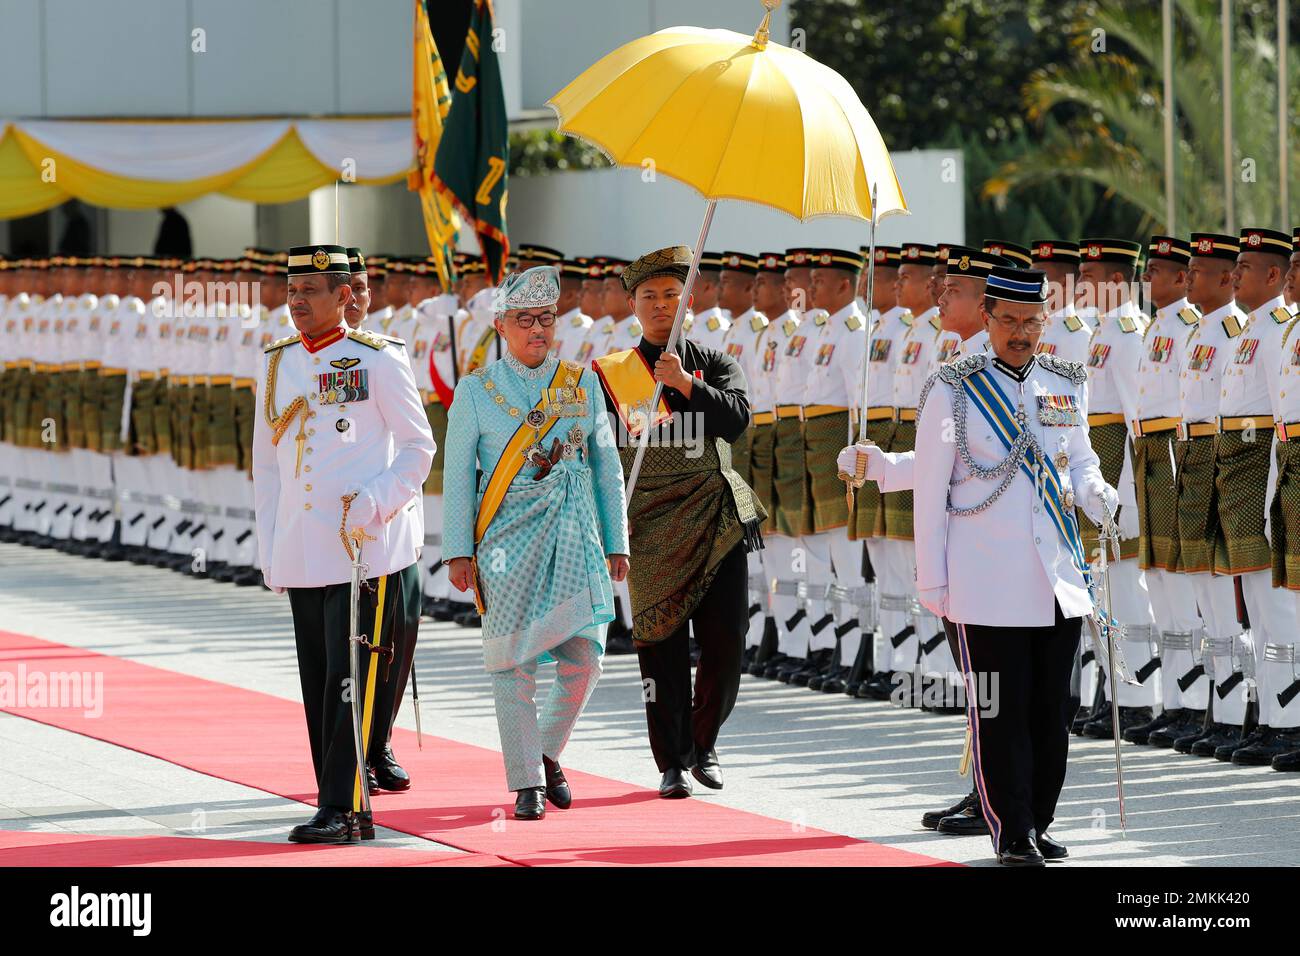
x=1246, y=352
x=1098, y=354
x=1059, y=411
x=569, y=401
x=347, y=385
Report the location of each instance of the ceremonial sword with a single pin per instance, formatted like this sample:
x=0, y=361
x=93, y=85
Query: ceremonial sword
x=355, y=641
x=1109, y=536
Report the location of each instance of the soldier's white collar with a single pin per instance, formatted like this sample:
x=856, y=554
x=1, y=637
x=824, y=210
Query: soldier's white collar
x=848, y=310
x=1221, y=312
x=979, y=342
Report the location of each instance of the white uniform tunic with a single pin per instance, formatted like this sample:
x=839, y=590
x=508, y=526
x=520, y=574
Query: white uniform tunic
x=384, y=451
x=1066, y=336
x=1006, y=566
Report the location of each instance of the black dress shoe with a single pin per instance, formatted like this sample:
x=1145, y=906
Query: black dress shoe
x=1140, y=733
x=248, y=578
x=372, y=785
x=747, y=658
x=447, y=610
x=707, y=771
x=930, y=819
x=969, y=822
x=469, y=618
x=1103, y=727
x=557, y=788
x=329, y=825
x=1262, y=752
x=674, y=784
x=1288, y=762
x=1051, y=849
x=879, y=686
x=817, y=662
x=1226, y=751
x=1185, y=743
x=767, y=669
x=785, y=673
x=529, y=804
x=389, y=773
x=1021, y=852
x=836, y=681
x=1191, y=723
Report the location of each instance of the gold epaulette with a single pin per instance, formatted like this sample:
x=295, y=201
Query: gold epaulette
x=375, y=340
x=1072, y=323
x=1232, y=326
x=1189, y=315
x=1126, y=324
x=1281, y=316
x=935, y=323
x=907, y=318
x=758, y=323
x=281, y=343
x=852, y=322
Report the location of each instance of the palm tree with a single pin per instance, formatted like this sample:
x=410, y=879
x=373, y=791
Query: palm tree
x=1108, y=111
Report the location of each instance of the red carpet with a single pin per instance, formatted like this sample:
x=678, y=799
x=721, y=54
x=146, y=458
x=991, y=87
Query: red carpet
x=459, y=798
x=25, y=848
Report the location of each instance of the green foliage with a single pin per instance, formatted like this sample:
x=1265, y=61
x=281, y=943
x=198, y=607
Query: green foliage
x=537, y=151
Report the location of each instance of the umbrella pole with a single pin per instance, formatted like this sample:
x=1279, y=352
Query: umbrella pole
x=871, y=285
x=672, y=343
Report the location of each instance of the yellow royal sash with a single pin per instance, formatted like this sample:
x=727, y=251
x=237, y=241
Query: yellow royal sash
x=511, y=461
x=628, y=380
x=478, y=358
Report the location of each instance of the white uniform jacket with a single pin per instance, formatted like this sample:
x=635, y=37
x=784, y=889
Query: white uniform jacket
x=365, y=431
x=1007, y=565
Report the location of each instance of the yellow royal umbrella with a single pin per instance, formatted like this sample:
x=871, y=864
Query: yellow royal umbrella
x=734, y=117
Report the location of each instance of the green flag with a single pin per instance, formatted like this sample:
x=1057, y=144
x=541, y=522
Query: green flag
x=470, y=165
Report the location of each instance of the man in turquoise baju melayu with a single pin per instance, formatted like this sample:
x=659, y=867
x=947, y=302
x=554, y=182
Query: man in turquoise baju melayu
x=545, y=523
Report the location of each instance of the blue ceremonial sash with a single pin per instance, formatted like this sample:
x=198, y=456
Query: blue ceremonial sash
x=993, y=405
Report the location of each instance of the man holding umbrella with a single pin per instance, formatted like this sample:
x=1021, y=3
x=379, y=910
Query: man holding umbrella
x=692, y=520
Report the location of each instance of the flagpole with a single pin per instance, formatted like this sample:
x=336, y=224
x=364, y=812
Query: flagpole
x=1229, y=200
x=1167, y=29
x=694, y=271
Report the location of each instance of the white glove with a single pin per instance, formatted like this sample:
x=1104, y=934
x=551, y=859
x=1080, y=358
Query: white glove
x=935, y=600
x=363, y=509
x=847, y=460
x=265, y=575
x=1103, y=499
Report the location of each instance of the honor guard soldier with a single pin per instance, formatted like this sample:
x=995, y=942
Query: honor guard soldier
x=736, y=297
x=621, y=330
x=1066, y=335
x=794, y=360
x=573, y=325
x=1243, y=467
x=709, y=319
x=995, y=517
x=1159, y=380
x=340, y=451
x=1107, y=270
x=753, y=342
x=1285, y=515
x=1207, y=352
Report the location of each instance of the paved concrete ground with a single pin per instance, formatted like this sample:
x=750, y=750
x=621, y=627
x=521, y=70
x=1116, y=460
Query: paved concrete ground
x=865, y=769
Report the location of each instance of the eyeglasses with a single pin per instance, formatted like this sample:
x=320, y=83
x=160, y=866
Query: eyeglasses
x=1030, y=326
x=544, y=319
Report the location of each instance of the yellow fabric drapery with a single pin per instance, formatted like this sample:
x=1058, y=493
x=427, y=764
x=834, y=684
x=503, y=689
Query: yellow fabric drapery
x=286, y=171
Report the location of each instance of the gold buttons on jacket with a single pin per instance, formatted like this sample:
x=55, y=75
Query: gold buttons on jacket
x=306, y=487
x=307, y=506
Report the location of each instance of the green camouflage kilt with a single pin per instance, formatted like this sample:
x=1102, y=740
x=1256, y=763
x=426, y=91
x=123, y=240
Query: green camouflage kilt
x=223, y=441
x=823, y=437
x=1157, y=498
x=1285, y=519
x=1241, y=486
x=740, y=453
x=898, y=504
x=245, y=400
x=112, y=390
x=1108, y=441
x=790, y=477
x=761, y=474
x=1198, y=514
x=868, y=517
x=436, y=412
x=90, y=394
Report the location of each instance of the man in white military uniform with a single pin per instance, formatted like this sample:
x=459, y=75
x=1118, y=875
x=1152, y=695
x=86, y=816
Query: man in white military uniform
x=1243, y=456
x=1285, y=516
x=709, y=320
x=998, y=553
x=1207, y=352
x=340, y=453
x=1066, y=335
x=1159, y=376
x=572, y=325
x=1107, y=269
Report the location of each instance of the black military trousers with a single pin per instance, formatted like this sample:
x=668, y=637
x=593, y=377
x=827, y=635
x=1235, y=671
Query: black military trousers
x=320, y=626
x=684, y=726
x=1018, y=702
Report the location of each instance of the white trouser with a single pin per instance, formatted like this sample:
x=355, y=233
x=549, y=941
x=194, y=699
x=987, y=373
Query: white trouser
x=819, y=579
x=242, y=530
x=431, y=556
x=10, y=473
x=787, y=561
x=895, y=564
x=1130, y=605
x=1173, y=605
x=1272, y=615
x=846, y=564
x=164, y=479
x=1216, y=598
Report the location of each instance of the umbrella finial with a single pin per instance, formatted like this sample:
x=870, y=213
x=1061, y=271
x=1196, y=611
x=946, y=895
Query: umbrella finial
x=761, y=34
